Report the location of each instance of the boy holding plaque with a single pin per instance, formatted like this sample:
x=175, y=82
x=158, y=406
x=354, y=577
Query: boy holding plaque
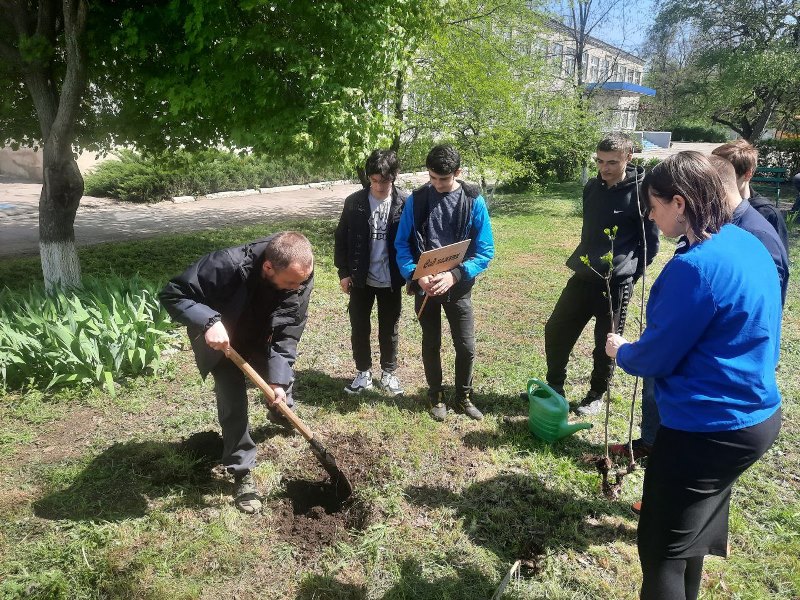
x=446, y=211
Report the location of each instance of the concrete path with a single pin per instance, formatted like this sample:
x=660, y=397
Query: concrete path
x=105, y=220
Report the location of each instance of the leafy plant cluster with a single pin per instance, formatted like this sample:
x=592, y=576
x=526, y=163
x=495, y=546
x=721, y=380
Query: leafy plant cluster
x=109, y=329
x=552, y=154
x=780, y=153
x=152, y=177
x=647, y=163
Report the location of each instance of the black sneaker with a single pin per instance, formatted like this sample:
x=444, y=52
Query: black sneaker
x=468, y=408
x=438, y=408
x=592, y=404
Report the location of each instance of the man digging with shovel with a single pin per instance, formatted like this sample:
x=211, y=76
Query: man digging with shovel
x=254, y=298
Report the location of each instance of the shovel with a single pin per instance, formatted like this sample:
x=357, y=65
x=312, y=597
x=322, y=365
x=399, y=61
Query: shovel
x=341, y=484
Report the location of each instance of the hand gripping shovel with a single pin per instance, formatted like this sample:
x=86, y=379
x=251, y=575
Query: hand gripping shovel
x=325, y=458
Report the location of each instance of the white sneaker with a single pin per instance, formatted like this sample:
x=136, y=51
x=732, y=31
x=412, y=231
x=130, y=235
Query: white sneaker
x=362, y=381
x=390, y=384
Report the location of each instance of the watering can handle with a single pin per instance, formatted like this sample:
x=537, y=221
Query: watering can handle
x=534, y=383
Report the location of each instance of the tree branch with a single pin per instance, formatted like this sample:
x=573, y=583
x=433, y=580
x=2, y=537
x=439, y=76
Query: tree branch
x=477, y=16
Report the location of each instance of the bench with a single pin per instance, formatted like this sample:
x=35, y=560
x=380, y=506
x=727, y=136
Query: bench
x=771, y=179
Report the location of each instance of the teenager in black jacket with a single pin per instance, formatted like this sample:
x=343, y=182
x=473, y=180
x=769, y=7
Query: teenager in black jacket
x=364, y=256
x=255, y=299
x=609, y=200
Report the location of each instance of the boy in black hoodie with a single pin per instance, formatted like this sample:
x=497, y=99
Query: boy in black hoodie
x=609, y=200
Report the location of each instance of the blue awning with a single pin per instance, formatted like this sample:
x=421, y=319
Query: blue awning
x=622, y=86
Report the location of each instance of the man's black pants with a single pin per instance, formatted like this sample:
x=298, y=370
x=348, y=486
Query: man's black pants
x=238, y=447
x=581, y=300
x=360, y=309
x=462, y=328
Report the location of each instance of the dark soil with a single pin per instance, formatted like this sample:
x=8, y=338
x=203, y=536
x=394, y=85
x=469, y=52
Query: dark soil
x=310, y=516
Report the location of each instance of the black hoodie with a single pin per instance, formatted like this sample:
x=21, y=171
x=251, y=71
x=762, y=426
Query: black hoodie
x=604, y=208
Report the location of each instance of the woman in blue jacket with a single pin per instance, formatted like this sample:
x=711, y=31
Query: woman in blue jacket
x=711, y=343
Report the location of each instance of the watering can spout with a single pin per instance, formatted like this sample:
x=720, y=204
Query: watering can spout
x=548, y=411
x=570, y=428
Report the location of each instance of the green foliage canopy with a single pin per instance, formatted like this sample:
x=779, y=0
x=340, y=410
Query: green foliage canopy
x=255, y=74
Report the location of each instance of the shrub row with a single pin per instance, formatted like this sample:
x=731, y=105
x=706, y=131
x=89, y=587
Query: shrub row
x=109, y=329
x=695, y=132
x=153, y=177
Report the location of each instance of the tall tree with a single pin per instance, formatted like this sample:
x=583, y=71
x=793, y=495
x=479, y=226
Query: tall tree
x=472, y=78
x=744, y=69
x=265, y=75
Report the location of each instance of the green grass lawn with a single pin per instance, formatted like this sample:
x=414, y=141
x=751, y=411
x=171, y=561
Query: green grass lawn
x=109, y=497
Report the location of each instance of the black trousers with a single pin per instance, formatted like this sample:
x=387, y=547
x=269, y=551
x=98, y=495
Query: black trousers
x=238, y=447
x=462, y=328
x=360, y=309
x=581, y=300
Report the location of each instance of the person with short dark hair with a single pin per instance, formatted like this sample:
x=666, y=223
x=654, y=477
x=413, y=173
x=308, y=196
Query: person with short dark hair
x=364, y=257
x=253, y=298
x=609, y=200
x=445, y=211
x=744, y=158
x=711, y=343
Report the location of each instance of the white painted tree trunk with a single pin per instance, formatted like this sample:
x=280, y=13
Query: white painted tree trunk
x=60, y=264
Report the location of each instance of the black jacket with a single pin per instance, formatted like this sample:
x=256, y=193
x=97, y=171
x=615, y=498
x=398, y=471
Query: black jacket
x=771, y=213
x=216, y=287
x=604, y=208
x=351, y=250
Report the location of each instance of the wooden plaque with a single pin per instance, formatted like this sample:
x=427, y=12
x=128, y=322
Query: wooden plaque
x=441, y=259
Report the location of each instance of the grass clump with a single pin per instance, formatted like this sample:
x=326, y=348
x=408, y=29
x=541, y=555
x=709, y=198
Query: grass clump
x=153, y=177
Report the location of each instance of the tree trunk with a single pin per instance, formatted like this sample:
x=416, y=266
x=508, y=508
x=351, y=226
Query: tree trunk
x=58, y=204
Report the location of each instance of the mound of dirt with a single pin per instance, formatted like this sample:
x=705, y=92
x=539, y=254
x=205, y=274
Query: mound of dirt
x=310, y=516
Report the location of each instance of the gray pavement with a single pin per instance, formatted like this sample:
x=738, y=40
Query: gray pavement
x=104, y=220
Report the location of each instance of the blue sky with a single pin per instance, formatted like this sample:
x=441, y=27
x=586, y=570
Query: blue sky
x=628, y=29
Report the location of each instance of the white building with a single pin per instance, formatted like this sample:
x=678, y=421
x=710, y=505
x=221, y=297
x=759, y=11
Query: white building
x=611, y=76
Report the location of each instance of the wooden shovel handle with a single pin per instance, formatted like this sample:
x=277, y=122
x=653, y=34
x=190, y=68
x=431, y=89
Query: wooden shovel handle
x=278, y=405
x=422, y=306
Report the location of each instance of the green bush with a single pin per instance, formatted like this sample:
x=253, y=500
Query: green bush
x=549, y=156
x=647, y=163
x=780, y=153
x=107, y=330
x=153, y=177
x=697, y=132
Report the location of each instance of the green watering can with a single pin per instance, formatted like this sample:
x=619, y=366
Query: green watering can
x=548, y=413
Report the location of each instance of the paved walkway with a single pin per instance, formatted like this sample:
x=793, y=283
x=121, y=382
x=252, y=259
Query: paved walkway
x=105, y=220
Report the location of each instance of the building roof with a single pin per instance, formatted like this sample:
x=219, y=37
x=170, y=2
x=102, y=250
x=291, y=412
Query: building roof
x=622, y=86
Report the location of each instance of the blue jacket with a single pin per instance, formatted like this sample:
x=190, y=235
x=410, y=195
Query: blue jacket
x=473, y=223
x=713, y=336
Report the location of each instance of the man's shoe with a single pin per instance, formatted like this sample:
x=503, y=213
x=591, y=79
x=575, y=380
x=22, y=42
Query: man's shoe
x=390, y=384
x=438, y=407
x=468, y=408
x=361, y=382
x=245, y=495
x=592, y=404
x=640, y=449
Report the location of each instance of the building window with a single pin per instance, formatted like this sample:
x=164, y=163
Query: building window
x=558, y=54
x=594, y=67
x=569, y=65
x=630, y=76
x=638, y=78
x=604, y=72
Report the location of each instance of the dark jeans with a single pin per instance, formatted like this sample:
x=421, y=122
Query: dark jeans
x=462, y=328
x=580, y=301
x=360, y=309
x=238, y=448
x=651, y=420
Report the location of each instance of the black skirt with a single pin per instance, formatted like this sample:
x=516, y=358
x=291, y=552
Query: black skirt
x=687, y=488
